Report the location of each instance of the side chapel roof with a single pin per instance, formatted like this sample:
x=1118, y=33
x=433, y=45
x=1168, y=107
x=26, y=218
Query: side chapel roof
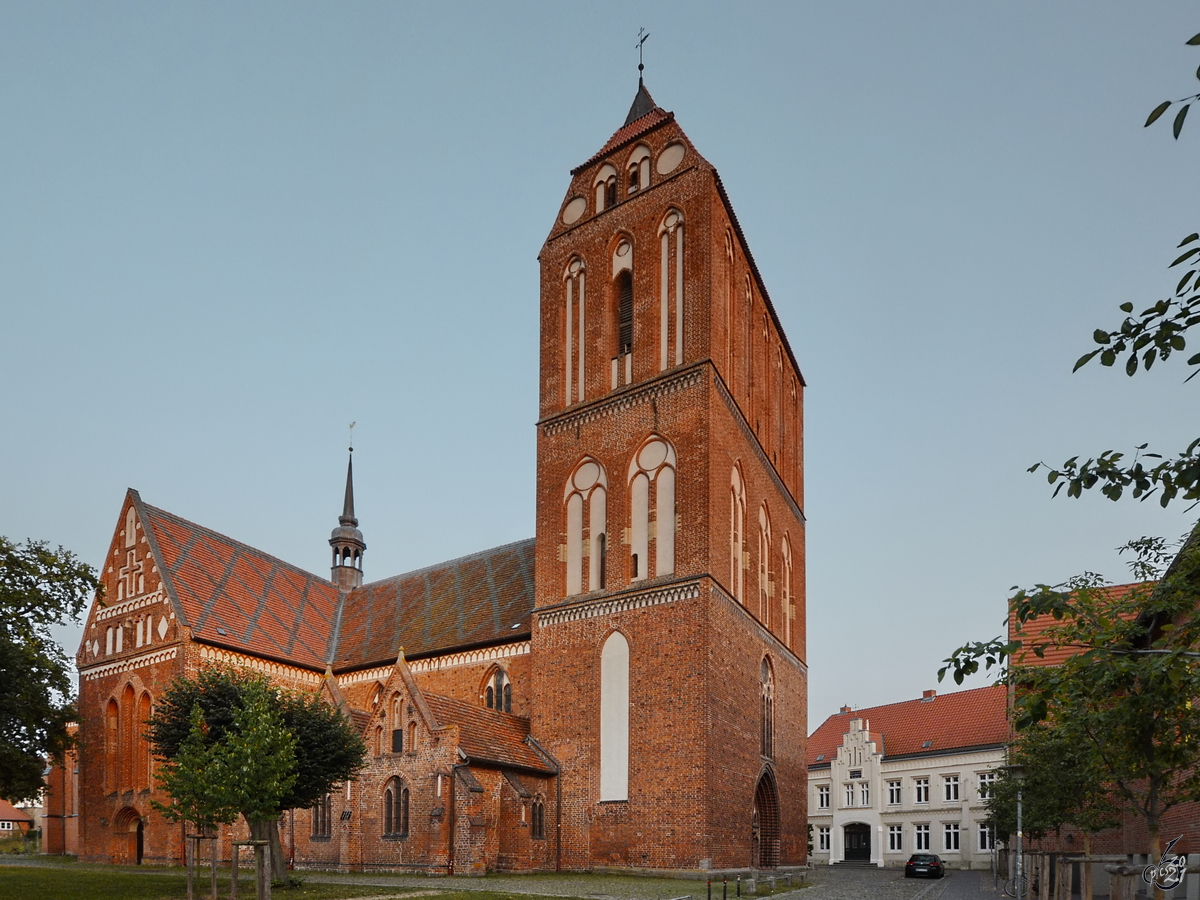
x=488, y=736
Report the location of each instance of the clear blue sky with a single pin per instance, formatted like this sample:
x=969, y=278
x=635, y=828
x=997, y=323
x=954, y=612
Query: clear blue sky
x=229, y=229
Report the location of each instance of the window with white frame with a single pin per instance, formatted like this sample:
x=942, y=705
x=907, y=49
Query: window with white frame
x=921, y=791
x=823, y=837
x=895, y=838
x=987, y=782
x=950, y=788
x=987, y=837
x=849, y=795
x=950, y=836
x=6, y=826
x=920, y=837
x=864, y=794
x=823, y=796
x=893, y=793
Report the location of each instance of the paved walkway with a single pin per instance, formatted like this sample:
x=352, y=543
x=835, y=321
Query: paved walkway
x=837, y=883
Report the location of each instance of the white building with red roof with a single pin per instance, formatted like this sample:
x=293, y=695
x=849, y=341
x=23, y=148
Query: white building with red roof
x=907, y=777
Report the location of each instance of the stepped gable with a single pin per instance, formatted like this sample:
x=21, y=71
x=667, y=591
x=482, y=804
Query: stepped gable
x=471, y=601
x=964, y=719
x=234, y=596
x=488, y=736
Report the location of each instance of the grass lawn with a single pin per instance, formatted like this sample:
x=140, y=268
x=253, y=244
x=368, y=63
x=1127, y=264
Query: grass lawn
x=71, y=883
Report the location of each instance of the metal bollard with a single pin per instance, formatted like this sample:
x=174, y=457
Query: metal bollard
x=710, y=889
x=739, y=886
x=724, y=887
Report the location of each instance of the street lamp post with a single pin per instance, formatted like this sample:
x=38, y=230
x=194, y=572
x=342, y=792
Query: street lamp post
x=1017, y=773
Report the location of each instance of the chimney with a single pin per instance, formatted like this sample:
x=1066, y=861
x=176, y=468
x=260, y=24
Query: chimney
x=928, y=696
x=844, y=710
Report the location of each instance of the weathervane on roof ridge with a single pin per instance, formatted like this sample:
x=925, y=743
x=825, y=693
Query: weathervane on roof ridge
x=352, y=424
x=642, y=35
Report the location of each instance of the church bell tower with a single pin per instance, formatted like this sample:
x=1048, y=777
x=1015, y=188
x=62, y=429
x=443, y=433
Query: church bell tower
x=669, y=635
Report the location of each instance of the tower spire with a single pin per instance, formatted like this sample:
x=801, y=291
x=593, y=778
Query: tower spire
x=347, y=516
x=346, y=540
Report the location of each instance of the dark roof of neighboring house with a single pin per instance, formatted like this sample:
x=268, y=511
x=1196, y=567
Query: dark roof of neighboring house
x=263, y=605
x=473, y=600
x=9, y=813
x=964, y=719
x=488, y=736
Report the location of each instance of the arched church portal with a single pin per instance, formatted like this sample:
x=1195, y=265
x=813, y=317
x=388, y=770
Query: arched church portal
x=765, y=824
x=128, y=837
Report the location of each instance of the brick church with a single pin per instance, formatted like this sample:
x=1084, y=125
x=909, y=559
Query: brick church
x=627, y=688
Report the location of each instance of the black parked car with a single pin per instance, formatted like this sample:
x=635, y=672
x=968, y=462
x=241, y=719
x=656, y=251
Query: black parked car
x=928, y=865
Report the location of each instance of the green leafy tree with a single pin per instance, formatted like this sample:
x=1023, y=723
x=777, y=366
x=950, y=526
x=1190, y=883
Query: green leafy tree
x=39, y=588
x=1155, y=333
x=271, y=750
x=1126, y=685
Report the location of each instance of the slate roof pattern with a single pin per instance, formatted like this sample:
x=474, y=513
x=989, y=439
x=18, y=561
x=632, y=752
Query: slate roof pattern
x=264, y=605
x=974, y=718
x=473, y=600
x=488, y=736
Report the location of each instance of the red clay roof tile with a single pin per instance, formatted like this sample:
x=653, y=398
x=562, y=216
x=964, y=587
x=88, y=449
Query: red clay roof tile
x=974, y=718
x=488, y=736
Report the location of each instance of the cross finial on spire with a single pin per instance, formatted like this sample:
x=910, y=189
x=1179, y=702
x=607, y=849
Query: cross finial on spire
x=352, y=424
x=642, y=35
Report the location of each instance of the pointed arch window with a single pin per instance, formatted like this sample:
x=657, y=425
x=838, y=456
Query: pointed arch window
x=537, y=824
x=737, y=534
x=585, y=499
x=129, y=736
x=497, y=694
x=322, y=818
x=395, y=809
x=605, y=187
x=575, y=281
x=730, y=314
x=614, y=718
x=653, y=466
x=143, y=759
x=397, y=724
x=789, y=602
x=768, y=709
x=766, y=583
x=112, y=743
x=638, y=168
x=622, y=312
x=672, y=227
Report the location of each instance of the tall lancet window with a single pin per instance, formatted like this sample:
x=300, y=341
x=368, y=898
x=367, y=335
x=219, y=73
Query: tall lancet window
x=730, y=315
x=614, y=718
x=768, y=710
x=789, y=601
x=586, y=500
x=575, y=282
x=671, y=232
x=606, y=188
x=737, y=534
x=622, y=313
x=766, y=584
x=652, y=468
